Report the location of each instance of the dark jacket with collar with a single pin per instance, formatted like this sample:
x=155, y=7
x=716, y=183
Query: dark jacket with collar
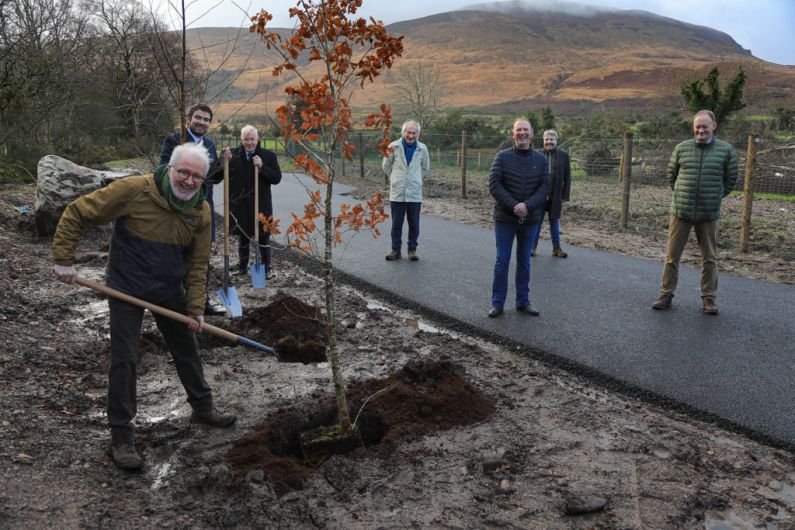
x=241, y=188
x=560, y=185
x=156, y=253
x=516, y=177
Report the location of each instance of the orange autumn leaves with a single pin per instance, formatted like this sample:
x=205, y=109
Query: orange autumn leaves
x=317, y=115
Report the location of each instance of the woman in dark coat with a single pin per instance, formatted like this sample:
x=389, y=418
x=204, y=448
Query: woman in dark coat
x=249, y=159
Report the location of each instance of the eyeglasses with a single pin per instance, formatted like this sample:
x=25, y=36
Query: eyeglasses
x=185, y=174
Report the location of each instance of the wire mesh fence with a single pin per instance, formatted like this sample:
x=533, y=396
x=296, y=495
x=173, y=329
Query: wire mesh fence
x=591, y=158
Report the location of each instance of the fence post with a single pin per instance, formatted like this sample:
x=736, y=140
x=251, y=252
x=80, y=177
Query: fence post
x=626, y=177
x=748, y=191
x=464, y=164
x=361, y=156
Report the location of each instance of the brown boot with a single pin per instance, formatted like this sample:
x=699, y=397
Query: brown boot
x=663, y=302
x=709, y=306
x=558, y=252
x=533, y=252
x=392, y=256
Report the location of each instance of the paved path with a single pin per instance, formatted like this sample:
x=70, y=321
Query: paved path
x=596, y=317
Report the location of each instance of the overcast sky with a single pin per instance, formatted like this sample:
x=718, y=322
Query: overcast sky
x=763, y=26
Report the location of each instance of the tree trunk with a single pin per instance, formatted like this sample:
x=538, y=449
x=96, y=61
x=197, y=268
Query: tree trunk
x=328, y=278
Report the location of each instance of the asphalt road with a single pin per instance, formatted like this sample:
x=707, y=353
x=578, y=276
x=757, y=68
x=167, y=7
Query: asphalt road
x=737, y=368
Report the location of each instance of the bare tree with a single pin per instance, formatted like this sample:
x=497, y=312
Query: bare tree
x=43, y=44
x=420, y=90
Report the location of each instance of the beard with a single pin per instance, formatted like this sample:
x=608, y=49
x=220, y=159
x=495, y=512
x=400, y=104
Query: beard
x=179, y=193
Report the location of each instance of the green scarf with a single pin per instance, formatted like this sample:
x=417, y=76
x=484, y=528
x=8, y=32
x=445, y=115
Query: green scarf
x=174, y=203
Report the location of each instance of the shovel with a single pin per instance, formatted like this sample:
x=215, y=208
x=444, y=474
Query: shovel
x=227, y=294
x=257, y=268
x=218, y=332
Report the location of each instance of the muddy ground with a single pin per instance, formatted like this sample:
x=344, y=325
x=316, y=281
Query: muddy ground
x=460, y=433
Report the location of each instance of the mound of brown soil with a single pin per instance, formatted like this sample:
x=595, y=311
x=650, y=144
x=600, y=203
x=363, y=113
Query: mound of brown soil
x=296, y=330
x=420, y=399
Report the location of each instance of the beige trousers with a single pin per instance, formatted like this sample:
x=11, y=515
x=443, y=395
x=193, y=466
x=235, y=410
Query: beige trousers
x=707, y=236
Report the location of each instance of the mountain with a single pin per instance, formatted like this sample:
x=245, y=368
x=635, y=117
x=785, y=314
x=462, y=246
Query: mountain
x=512, y=57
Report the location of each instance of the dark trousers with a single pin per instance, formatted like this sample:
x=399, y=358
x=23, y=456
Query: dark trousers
x=125, y=333
x=505, y=233
x=411, y=211
x=265, y=250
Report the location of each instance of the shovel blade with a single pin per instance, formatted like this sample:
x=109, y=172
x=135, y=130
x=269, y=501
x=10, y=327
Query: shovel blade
x=257, y=275
x=228, y=297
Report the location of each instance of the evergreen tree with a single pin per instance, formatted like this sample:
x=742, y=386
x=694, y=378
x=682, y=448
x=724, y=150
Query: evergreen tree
x=722, y=103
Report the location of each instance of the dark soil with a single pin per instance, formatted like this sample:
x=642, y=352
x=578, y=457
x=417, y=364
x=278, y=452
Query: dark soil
x=420, y=399
x=296, y=330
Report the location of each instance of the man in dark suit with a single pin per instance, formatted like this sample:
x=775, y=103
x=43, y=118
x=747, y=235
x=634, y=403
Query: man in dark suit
x=199, y=118
x=249, y=161
x=560, y=186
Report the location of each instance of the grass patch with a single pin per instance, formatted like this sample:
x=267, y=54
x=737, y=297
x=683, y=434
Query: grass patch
x=771, y=196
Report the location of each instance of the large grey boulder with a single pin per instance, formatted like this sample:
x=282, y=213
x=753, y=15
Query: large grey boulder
x=59, y=182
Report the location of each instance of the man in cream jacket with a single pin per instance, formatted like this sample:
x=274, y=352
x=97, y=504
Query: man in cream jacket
x=408, y=162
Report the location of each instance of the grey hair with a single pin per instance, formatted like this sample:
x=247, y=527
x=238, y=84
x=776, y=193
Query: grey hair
x=552, y=132
x=247, y=129
x=706, y=112
x=407, y=123
x=191, y=149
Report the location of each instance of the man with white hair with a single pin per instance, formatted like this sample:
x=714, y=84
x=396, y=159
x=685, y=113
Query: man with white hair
x=406, y=165
x=159, y=252
x=248, y=161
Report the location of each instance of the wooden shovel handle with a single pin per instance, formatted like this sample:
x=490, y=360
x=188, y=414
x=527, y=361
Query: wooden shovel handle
x=179, y=317
x=226, y=208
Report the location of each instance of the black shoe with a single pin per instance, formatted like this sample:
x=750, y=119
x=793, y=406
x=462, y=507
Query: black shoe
x=392, y=256
x=495, y=311
x=125, y=456
x=270, y=275
x=413, y=255
x=528, y=310
x=241, y=271
x=213, y=418
x=210, y=310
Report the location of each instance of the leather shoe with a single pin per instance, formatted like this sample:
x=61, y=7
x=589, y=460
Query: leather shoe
x=392, y=256
x=558, y=252
x=528, y=310
x=210, y=309
x=495, y=311
x=709, y=306
x=663, y=302
x=125, y=456
x=413, y=255
x=213, y=418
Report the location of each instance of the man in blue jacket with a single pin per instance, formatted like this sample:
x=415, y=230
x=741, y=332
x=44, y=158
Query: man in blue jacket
x=519, y=183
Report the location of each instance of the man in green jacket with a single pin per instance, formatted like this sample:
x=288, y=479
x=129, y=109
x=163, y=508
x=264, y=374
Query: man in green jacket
x=159, y=252
x=701, y=173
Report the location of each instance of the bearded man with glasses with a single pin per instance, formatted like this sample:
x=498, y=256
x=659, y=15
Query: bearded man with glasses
x=159, y=252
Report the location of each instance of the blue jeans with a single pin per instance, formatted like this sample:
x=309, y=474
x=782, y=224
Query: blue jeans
x=411, y=211
x=505, y=234
x=554, y=229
